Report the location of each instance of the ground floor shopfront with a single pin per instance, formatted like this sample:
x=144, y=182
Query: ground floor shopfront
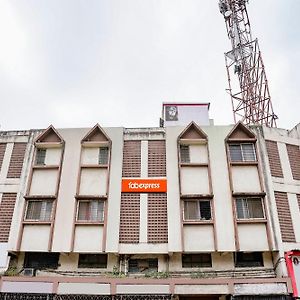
x=104, y=288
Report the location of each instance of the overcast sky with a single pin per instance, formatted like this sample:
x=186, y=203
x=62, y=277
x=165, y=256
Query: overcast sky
x=75, y=63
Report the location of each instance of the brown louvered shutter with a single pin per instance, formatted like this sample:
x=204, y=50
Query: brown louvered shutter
x=7, y=206
x=157, y=218
x=16, y=160
x=2, y=152
x=284, y=216
x=130, y=218
x=298, y=198
x=274, y=159
x=294, y=158
x=132, y=159
x=156, y=158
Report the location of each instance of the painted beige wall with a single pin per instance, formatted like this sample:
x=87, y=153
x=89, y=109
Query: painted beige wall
x=198, y=238
x=93, y=182
x=84, y=288
x=66, y=202
x=88, y=238
x=194, y=180
x=245, y=179
x=44, y=182
x=173, y=197
x=35, y=238
x=221, y=188
x=253, y=237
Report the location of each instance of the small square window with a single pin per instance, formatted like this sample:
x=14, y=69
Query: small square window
x=249, y=208
x=249, y=259
x=39, y=210
x=197, y=210
x=40, y=156
x=97, y=261
x=143, y=265
x=202, y=260
x=41, y=260
x=242, y=152
x=185, y=154
x=90, y=211
x=103, y=156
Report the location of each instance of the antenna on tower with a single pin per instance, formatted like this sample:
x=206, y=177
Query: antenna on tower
x=250, y=97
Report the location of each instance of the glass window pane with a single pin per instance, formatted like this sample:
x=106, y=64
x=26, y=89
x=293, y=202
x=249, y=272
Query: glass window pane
x=103, y=155
x=235, y=152
x=205, y=210
x=241, y=209
x=40, y=156
x=255, y=208
x=191, y=210
x=184, y=153
x=248, y=152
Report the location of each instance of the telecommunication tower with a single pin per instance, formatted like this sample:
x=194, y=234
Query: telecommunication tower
x=250, y=97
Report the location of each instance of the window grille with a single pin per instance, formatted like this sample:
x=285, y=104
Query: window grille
x=185, y=153
x=242, y=152
x=202, y=260
x=249, y=208
x=90, y=211
x=197, y=210
x=103, y=155
x=92, y=261
x=39, y=210
x=40, y=156
x=249, y=259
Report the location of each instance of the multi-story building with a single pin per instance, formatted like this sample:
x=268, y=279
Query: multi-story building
x=280, y=150
x=185, y=211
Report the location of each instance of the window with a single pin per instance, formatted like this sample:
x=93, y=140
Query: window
x=103, y=156
x=249, y=208
x=249, y=259
x=90, y=211
x=40, y=156
x=242, y=152
x=92, y=261
x=41, y=260
x=202, y=260
x=143, y=265
x=197, y=210
x=185, y=153
x=39, y=210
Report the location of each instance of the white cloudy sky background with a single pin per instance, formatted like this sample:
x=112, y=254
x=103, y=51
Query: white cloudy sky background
x=113, y=62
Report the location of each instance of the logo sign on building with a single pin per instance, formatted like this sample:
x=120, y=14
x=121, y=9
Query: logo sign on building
x=137, y=185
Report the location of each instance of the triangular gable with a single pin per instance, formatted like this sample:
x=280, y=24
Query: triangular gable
x=193, y=131
x=240, y=132
x=96, y=134
x=50, y=135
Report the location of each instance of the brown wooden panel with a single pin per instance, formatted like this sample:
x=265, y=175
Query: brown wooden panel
x=274, y=159
x=157, y=218
x=132, y=159
x=7, y=206
x=156, y=158
x=294, y=158
x=130, y=218
x=284, y=216
x=16, y=160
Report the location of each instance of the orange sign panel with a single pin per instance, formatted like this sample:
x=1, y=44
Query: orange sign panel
x=133, y=185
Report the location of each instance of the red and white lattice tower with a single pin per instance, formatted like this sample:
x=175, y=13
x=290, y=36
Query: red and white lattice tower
x=251, y=101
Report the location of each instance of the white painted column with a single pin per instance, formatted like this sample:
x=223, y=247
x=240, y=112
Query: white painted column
x=6, y=161
x=144, y=197
x=285, y=163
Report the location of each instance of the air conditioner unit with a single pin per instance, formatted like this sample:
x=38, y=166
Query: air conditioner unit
x=29, y=272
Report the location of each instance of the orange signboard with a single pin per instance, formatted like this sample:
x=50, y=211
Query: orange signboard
x=134, y=185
